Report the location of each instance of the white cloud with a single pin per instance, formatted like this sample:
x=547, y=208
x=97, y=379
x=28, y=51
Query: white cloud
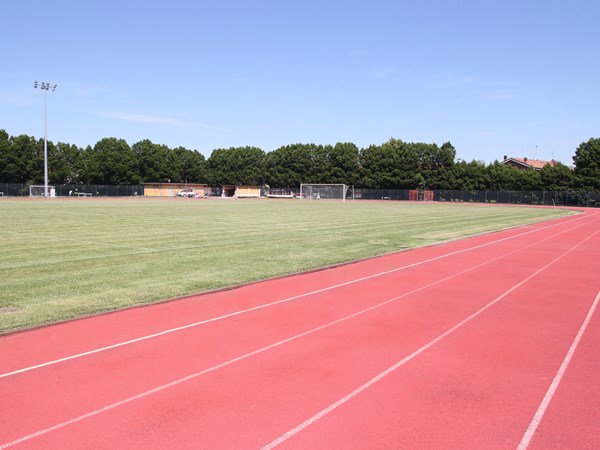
x=483, y=89
x=356, y=53
x=19, y=97
x=500, y=94
x=453, y=79
x=383, y=73
x=143, y=118
x=154, y=120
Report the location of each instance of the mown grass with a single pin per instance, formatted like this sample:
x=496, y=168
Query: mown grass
x=64, y=258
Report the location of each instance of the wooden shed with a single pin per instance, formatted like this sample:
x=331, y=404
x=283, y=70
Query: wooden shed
x=172, y=189
x=242, y=191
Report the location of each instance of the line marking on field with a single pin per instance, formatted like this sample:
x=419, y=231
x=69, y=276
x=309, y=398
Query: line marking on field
x=284, y=437
x=278, y=302
x=537, y=418
x=311, y=331
x=134, y=250
x=148, y=251
x=44, y=238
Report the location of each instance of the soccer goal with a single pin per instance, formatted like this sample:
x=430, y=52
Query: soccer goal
x=39, y=191
x=341, y=192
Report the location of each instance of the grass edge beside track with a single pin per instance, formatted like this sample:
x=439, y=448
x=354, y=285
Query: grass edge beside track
x=113, y=310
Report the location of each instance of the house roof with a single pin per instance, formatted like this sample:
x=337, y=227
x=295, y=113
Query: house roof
x=536, y=164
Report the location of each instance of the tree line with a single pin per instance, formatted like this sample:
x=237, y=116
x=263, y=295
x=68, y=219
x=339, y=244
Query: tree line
x=393, y=164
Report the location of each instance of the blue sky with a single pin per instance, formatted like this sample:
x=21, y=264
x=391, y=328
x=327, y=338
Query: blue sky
x=519, y=78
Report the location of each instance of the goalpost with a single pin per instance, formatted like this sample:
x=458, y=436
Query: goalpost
x=38, y=191
x=311, y=191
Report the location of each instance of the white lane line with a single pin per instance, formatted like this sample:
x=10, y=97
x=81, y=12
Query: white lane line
x=284, y=437
x=250, y=354
x=277, y=344
x=537, y=418
x=267, y=305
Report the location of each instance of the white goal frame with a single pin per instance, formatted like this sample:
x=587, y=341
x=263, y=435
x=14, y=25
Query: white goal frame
x=316, y=191
x=40, y=190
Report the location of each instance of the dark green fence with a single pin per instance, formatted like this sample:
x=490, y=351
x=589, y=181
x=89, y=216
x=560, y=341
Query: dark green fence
x=549, y=198
x=66, y=190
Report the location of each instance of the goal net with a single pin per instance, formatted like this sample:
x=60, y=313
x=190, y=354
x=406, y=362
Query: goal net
x=39, y=191
x=326, y=192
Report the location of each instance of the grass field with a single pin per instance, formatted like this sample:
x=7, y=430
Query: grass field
x=65, y=258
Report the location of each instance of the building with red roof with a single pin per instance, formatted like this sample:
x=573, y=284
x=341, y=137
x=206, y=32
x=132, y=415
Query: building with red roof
x=526, y=163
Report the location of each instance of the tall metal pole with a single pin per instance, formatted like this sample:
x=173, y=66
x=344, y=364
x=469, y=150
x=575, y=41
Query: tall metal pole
x=45, y=87
x=45, y=145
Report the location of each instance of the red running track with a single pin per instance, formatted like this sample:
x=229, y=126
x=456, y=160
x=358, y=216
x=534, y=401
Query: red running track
x=487, y=342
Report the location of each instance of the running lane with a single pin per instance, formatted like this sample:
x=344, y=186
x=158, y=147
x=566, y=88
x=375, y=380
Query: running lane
x=455, y=345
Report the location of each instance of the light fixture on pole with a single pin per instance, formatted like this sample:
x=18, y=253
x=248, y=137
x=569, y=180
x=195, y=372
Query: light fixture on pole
x=45, y=87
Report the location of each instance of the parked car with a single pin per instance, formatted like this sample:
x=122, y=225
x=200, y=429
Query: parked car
x=187, y=193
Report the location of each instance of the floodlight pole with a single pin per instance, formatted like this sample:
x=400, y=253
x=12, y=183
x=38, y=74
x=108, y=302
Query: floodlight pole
x=45, y=87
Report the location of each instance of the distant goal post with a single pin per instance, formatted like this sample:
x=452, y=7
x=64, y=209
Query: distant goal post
x=311, y=191
x=40, y=191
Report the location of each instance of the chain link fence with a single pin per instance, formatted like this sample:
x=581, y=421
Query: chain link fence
x=549, y=198
x=66, y=190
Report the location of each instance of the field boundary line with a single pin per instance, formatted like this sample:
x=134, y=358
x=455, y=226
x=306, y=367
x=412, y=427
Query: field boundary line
x=285, y=300
x=284, y=437
x=259, y=351
x=539, y=414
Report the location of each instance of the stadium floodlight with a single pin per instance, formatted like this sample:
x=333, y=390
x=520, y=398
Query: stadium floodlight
x=45, y=87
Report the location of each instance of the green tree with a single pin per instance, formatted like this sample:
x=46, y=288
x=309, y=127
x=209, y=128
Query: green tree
x=528, y=180
x=152, y=161
x=557, y=178
x=446, y=155
x=188, y=165
x=111, y=162
x=236, y=165
x=289, y=166
x=343, y=164
x=587, y=164
x=21, y=159
x=320, y=166
x=441, y=161
x=394, y=164
x=468, y=176
x=10, y=161
x=65, y=164
x=501, y=177
x=433, y=163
